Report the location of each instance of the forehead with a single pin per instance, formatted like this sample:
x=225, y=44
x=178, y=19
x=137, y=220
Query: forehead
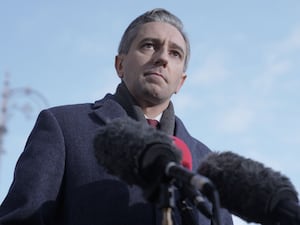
x=161, y=31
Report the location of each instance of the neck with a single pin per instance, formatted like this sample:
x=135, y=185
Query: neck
x=154, y=111
x=137, y=111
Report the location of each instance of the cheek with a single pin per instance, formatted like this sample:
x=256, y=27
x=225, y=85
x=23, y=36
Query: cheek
x=179, y=83
x=133, y=65
x=131, y=73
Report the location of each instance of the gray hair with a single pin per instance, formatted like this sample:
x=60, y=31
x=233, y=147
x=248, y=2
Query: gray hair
x=155, y=15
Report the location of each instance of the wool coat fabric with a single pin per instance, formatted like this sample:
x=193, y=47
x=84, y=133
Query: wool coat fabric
x=58, y=180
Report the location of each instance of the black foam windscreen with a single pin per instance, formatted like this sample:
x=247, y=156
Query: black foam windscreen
x=126, y=148
x=249, y=189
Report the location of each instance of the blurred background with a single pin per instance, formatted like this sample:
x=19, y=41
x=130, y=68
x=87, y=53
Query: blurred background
x=242, y=92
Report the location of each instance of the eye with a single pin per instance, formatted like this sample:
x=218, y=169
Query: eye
x=148, y=45
x=176, y=54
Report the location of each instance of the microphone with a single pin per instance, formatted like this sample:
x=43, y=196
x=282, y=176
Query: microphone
x=142, y=155
x=252, y=191
x=189, y=192
x=186, y=153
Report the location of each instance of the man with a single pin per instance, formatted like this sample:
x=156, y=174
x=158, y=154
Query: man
x=57, y=178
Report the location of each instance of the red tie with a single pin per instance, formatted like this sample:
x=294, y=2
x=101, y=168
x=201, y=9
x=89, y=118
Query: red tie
x=153, y=123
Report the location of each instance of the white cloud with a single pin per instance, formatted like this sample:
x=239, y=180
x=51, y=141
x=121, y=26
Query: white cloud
x=271, y=76
x=280, y=63
x=239, y=37
x=90, y=45
x=236, y=120
x=184, y=101
x=107, y=84
x=291, y=42
x=279, y=67
x=285, y=48
x=212, y=70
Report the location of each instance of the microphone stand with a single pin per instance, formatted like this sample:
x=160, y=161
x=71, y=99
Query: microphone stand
x=216, y=219
x=187, y=213
x=167, y=202
x=190, y=200
x=211, y=212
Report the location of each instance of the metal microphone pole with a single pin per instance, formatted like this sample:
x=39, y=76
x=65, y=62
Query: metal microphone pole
x=167, y=202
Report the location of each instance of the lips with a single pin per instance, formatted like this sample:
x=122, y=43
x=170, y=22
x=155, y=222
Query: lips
x=153, y=73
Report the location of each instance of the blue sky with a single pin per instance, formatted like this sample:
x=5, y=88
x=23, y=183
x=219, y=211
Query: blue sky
x=241, y=94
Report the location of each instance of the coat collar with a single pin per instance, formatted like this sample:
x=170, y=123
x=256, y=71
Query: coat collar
x=114, y=106
x=108, y=109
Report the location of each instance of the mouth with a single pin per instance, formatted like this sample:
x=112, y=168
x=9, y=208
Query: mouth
x=152, y=73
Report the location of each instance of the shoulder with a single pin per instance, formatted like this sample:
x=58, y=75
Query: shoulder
x=72, y=108
x=76, y=110
x=198, y=149
x=182, y=132
x=83, y=114
x=64, y=113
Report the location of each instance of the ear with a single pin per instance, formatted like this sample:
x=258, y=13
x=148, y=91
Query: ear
x=118, y=65
x=181, y=82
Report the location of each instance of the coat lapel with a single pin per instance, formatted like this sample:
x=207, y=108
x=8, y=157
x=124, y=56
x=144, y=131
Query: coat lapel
x=108, y=109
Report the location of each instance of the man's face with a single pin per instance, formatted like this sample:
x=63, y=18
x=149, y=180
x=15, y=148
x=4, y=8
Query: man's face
x=153, y=69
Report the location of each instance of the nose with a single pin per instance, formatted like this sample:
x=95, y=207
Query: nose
x=161, y=57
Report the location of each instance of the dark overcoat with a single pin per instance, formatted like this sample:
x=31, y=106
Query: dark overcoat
x=58, y=180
